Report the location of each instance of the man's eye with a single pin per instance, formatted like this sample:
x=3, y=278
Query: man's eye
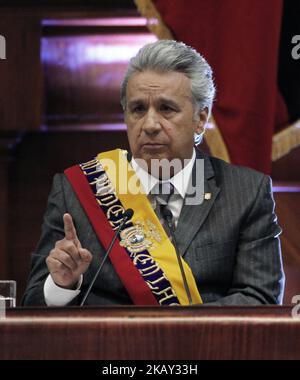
x=166, y=108
x=138, y=109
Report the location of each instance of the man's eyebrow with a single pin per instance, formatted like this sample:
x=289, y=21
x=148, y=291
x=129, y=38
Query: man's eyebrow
x=162, y=99
x=159, y=100
x=135, y=101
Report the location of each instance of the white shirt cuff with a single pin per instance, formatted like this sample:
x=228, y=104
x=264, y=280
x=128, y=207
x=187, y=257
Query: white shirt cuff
x=57, y=296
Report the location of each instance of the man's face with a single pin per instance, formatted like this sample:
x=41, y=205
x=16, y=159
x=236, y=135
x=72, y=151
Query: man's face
x=160, y=116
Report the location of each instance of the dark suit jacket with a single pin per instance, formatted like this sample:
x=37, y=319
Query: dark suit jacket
x=230, y=241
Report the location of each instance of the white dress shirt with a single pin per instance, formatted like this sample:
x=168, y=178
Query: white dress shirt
x=57, y=296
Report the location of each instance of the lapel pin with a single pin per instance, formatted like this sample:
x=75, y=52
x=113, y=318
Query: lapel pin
x=207, y=196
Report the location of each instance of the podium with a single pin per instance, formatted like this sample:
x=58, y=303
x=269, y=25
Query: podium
x=150, y=333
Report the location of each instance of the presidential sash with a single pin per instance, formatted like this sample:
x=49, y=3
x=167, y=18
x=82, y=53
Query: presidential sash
x=145, y=259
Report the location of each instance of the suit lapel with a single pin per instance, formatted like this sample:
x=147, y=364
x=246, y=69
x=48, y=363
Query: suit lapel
x=193, y=216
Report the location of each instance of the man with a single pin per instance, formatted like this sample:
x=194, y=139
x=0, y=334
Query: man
x=227, y=235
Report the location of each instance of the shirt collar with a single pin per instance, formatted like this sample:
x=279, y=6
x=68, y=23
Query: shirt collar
x=180, y=180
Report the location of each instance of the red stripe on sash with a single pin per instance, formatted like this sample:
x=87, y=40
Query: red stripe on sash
x=136, y=287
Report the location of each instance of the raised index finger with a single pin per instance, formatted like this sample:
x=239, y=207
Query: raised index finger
x=70, y=231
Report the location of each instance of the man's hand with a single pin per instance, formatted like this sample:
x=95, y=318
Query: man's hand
x=68, y=260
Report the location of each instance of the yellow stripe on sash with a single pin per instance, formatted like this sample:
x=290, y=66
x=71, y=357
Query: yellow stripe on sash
x=132, y=195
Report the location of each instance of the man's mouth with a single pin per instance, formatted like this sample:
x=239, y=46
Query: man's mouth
x=153, y=145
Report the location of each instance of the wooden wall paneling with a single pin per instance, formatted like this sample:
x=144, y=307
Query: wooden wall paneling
x=84, y=62
x=7, y=142
x=4, y=162
x=73, y=4
x=20, y=73
x=287, y=168
x=288, y=212
x=78, y=91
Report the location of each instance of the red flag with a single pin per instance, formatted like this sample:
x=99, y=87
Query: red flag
x=240, y=40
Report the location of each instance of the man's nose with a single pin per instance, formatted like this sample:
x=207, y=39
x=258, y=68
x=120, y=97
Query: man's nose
x=151, y=122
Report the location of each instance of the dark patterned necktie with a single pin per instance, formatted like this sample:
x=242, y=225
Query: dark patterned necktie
x=163, y=192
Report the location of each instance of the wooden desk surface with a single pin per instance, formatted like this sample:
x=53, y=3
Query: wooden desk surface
x=150, y=333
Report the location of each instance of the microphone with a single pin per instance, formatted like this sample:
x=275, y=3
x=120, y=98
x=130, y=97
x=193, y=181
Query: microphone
x=126, y=216
x=168, y=216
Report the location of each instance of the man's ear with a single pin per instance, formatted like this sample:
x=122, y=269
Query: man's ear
x=201, y=122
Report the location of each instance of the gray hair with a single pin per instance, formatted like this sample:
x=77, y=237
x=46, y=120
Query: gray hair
x=169, y=55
